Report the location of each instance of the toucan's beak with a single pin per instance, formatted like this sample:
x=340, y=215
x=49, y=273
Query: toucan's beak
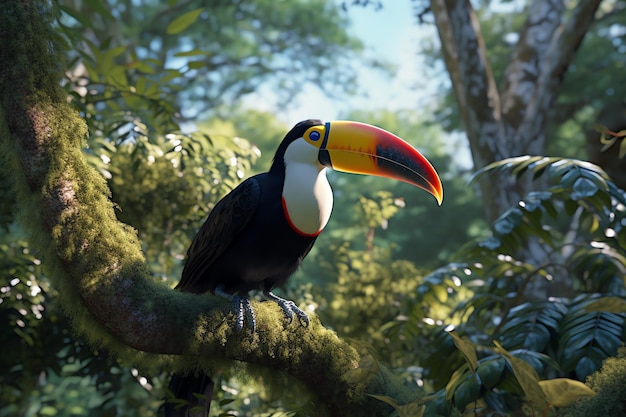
x=364, y=149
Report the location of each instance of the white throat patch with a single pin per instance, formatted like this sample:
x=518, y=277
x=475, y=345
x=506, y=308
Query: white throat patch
x=307, y=196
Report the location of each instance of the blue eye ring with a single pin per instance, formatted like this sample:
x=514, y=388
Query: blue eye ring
x=314, y=136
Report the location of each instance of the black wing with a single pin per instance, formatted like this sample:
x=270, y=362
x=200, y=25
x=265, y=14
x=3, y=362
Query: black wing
x=229, y=217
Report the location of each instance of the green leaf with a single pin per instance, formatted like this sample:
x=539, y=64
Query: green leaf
x=583, y=187
x=101, y=8
x=192, y=52
x=589, y=364
x=561, y=392
x=47, y=410
x=196, y=64
x=467, y=392
x=183, y=22
x=490, y=372
x=113, y=52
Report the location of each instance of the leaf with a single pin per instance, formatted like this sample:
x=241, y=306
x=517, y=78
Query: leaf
x=490, y=372
x=101, y=8
x=456, y=379
x=589, y=364
x=583, y=187
x=467, y=349
x=561, y=392
x=491, y=243
x=192, y=52
x=526, y=377
x=467, y=392
x=184, y=21
x=196, y=64
x=524, y=165
x=47, y=410
x=612, y=304
x=413, y=409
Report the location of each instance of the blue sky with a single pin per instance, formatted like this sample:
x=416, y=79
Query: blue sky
x=392, y=34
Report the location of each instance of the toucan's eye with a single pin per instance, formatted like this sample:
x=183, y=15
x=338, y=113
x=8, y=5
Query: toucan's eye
x=314, y=136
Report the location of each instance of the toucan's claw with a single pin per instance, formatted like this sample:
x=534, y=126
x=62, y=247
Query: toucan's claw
x=290, y=308
x=241, y=308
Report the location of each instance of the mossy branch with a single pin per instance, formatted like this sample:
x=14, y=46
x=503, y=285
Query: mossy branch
x=96, y=262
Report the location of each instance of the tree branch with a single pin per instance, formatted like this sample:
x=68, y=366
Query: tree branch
x=566, y=40
x=97, y=264
x=520, y=77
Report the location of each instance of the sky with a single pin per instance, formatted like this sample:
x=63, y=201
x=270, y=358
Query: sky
x=392, y=34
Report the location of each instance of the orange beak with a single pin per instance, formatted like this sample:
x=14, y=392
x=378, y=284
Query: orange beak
x=364, y=149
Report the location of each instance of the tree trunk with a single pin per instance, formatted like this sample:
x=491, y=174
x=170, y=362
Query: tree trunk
x=511, y=120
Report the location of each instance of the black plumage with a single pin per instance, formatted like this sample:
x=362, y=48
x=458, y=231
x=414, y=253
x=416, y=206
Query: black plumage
x=246, y=242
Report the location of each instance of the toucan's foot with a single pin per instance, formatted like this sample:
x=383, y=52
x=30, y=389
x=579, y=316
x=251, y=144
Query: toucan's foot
x=241, y=308
x=289, y=307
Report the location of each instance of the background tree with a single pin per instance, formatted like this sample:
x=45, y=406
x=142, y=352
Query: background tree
x=509, y=116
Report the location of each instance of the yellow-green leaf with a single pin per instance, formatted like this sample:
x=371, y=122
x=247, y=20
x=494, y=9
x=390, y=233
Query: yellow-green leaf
x=561, y=392
x=413, y=409
x=612, y=304
x=455, y=380
x=526, y=377
x=184, y=21
x=467, y=349
x=385, y=399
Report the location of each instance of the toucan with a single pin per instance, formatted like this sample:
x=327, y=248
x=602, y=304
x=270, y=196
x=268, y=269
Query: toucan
x=258, y=234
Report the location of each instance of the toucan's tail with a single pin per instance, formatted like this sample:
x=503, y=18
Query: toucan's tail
x=192, y=396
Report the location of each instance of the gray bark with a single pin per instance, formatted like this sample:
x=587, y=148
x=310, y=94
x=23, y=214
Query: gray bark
x=512, y=120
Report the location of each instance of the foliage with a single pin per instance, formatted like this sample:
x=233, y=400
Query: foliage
x=559, y=336
x=365, y=291
x=165, y=186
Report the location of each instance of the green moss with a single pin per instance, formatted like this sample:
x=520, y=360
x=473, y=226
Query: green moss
x=609, y=383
